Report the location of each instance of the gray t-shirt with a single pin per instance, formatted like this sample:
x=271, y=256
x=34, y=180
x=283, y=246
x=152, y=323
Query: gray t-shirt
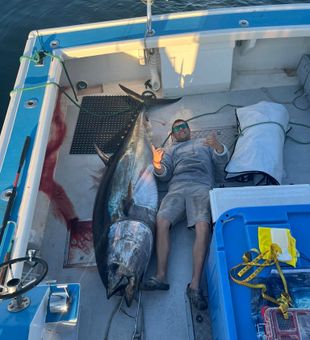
x=192, y=161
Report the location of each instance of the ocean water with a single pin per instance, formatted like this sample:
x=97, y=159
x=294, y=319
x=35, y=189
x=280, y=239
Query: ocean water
x=18, y=18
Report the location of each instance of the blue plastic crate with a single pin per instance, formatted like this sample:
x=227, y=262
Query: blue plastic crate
x=236, y=231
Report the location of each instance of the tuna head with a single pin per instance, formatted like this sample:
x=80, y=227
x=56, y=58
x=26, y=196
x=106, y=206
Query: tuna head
x=129, y=250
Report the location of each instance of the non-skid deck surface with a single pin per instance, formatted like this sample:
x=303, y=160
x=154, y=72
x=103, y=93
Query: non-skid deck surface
x=103, y=120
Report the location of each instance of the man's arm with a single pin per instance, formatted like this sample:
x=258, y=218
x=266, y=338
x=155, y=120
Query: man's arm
x=161, y=164
x=157, y=157
x=212, y=141
x=220, y=152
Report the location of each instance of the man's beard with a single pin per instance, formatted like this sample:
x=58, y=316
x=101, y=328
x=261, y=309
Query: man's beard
x=184, y=138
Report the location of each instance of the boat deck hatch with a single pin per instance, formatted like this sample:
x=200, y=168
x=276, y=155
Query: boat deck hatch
x=104, y=121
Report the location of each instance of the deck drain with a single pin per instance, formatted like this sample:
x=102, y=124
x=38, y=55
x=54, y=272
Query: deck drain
x=244, y=23
x=6, y=194
x=54, y=43
x=81, y=85
x=31, y=103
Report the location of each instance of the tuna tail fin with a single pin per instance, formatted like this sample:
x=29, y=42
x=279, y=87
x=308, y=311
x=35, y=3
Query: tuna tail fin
x=103, y=156
x=148, y=100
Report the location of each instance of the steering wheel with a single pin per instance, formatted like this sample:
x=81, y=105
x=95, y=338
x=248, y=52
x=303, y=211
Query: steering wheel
x=16, y=286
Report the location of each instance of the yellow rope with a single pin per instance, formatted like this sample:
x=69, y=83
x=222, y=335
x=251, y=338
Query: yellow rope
x=284, y=301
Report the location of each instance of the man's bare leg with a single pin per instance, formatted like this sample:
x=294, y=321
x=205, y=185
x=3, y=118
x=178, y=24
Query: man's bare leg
x=162, y=248
x=199, y=252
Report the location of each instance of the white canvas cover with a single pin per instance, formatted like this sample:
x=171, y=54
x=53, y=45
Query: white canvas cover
x=259, y=148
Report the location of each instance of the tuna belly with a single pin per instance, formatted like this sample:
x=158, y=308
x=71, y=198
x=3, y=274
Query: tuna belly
x=129, y=251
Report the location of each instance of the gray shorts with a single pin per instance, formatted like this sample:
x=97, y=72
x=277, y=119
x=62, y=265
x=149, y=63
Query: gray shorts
x=186, y=199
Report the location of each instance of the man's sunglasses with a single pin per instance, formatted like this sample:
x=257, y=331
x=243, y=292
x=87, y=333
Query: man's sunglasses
x=177, y=128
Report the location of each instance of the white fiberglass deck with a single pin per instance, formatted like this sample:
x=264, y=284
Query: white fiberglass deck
x=165, y=313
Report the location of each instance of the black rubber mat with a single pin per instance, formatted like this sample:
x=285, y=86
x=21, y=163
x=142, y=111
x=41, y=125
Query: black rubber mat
x=103, y=120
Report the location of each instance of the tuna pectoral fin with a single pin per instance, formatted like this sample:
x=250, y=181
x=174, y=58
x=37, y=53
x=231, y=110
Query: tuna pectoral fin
x=128, y=202
x=103, y=156
x=126, y=205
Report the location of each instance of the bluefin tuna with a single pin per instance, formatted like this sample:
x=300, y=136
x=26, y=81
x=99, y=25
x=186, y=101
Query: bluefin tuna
x=125, y=212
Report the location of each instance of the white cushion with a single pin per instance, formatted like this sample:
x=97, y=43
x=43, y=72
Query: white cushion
x=259, y=148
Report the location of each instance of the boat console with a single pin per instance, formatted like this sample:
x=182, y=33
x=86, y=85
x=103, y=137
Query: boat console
x=31, y=310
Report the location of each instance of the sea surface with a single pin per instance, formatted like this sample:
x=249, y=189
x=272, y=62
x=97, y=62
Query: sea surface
x=19, y=17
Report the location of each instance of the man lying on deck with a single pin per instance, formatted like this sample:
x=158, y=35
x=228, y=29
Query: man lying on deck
x=189, y=165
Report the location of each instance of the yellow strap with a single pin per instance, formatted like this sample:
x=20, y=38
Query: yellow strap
x=284, y=301
x=255, y=263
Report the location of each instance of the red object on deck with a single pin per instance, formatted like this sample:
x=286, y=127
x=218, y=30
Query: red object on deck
x=296, y=327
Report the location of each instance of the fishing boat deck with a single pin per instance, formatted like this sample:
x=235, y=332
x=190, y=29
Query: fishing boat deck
x=233, y=57
x=166, y=314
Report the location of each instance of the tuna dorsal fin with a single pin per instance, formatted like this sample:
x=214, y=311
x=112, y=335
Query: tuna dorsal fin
x=103, y=156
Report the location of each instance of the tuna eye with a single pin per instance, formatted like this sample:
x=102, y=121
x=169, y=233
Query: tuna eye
x=114, y=266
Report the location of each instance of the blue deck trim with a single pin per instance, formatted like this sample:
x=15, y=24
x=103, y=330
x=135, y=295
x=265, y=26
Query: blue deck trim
x=27, y=119
x=180, y=26
x=25, y=125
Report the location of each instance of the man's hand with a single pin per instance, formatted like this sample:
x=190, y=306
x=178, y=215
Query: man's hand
x=157, y=157
x=212, y=141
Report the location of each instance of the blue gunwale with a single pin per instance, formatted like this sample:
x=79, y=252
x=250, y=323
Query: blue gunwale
x=166, y=27
x=26, y=119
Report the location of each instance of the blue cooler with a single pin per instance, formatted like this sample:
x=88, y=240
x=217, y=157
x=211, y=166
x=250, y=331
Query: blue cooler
x=236, y=232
